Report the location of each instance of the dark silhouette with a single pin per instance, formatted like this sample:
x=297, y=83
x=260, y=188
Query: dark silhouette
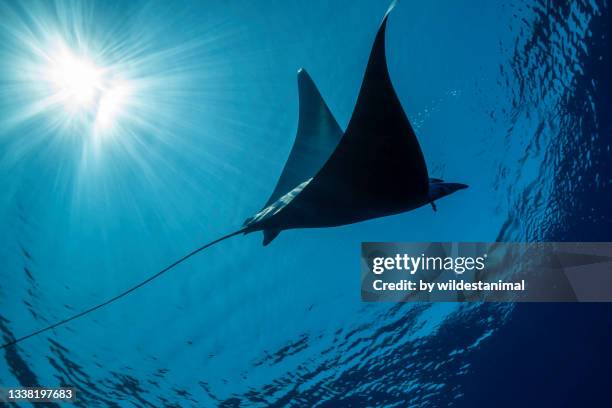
x=377, y=168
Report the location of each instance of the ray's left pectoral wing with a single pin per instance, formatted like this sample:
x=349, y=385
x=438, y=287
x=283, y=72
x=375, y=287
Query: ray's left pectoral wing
x=317, y=136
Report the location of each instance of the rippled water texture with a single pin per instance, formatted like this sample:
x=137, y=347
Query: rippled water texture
x=511, y=98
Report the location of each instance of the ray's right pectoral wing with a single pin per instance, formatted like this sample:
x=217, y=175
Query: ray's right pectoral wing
x=378, y=165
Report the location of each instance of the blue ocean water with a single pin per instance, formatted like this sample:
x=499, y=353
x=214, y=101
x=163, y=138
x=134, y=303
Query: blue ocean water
x=511, y=98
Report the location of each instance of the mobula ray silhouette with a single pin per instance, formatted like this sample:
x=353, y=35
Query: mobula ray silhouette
x=374, y=169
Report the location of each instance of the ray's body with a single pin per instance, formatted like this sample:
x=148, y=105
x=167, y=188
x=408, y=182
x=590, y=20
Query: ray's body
x=375, y=169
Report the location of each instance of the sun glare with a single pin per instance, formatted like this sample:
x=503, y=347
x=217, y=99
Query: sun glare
x=75, y=78
x=84, y=89
x=111, y=104
x=76, y=81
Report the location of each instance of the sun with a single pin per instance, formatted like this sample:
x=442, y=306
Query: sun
x=76, y=81
x=85, y=90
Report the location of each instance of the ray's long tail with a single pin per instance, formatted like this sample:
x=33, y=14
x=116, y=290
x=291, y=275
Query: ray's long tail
x=125, y=292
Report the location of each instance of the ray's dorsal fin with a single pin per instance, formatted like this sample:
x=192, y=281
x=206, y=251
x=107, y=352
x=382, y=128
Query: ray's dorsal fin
x=269, y=235
x=317, y=136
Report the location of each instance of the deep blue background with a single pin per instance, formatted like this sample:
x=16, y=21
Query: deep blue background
x=559, y=354
x=512, y=99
